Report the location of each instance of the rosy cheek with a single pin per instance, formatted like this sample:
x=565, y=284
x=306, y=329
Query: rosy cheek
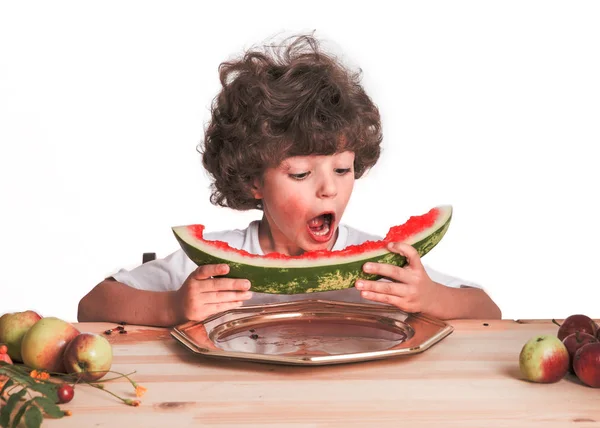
x=292, y=207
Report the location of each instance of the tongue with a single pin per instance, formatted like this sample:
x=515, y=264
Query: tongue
x=316, y=222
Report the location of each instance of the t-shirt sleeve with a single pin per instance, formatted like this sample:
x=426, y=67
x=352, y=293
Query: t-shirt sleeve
x=449, y=281
x=167, y=274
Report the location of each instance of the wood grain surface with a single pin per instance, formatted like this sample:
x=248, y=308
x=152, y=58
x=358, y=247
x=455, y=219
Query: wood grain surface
x=469, y=379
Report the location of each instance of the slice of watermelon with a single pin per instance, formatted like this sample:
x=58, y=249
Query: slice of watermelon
x=315, y=270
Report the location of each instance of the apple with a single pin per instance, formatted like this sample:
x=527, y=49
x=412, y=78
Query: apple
x=587, y=364
x=43, y=345
x=13, y=327
x=574, y=341
x=89, y=356
x=544, y=359
x=574, y=323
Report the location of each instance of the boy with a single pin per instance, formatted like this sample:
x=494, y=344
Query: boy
x=290, y=132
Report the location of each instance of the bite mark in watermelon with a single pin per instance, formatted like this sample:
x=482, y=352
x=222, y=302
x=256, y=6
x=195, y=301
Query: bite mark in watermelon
x=315, y=270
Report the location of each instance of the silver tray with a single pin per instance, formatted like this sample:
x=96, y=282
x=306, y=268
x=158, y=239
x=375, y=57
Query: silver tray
x=311, y=332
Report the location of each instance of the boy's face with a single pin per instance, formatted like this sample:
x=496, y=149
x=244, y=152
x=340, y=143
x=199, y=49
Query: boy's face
x=303, y=201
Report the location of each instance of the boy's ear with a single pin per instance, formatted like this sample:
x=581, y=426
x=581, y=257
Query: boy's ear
x=256, y=189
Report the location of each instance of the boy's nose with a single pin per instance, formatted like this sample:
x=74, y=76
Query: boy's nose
x=328, y=188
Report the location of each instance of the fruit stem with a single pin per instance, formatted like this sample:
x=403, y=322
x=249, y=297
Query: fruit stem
x=118, y=377
x=111, y=378
x=22, y=370
x=74, y=376
x=16, y=385
x=110, y=392
x=554, y=322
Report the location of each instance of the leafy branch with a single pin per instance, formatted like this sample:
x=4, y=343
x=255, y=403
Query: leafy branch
x=17, y=382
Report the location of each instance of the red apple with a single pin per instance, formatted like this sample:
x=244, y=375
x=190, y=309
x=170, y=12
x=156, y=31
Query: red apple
x=544, y=359
x=43, y=345
x=13, y=327
x=89, y=356
x=574, y=323
x=574, y=341
x=587, y=364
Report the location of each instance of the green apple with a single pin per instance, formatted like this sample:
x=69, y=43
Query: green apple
x=43, y=345
x=13, y=327
x=89, y=356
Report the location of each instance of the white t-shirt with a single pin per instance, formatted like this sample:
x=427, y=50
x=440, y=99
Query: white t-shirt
x=168, y=274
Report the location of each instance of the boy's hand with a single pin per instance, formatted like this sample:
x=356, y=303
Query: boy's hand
x=411, y=288
x=201, y=295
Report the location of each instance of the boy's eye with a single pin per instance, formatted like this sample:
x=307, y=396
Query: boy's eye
x=342, y=171
x=300, y=176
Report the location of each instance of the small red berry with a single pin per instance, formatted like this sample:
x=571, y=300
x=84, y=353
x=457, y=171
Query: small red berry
x=65, y=393
x=3, y=349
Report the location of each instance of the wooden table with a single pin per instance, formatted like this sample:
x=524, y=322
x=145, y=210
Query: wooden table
x=469, y=379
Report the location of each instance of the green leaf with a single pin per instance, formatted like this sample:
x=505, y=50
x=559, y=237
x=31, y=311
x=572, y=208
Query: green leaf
x=49, y=407
x=33, y=417
x=45, y=387
x=49, y=389
x=18, y=374
x=19, y=415
x=10, y=405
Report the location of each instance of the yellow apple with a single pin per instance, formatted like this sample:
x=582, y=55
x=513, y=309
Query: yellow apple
x=89, y=356
x=43, y=345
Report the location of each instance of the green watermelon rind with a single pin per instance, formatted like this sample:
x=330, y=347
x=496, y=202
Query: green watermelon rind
x=287, y=276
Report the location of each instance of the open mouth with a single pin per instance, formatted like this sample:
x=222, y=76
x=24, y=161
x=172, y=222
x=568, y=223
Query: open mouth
x=321, y=227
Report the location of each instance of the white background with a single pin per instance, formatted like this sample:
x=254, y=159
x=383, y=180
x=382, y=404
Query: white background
x=492, y=107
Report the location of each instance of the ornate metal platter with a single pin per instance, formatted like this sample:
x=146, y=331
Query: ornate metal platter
x=311, y=332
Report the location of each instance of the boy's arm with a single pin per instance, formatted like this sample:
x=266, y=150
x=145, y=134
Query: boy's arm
x=113, y=301
x=411, y=289
x=463, y=303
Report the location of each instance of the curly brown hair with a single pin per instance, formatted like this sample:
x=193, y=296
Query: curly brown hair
x=282, y=101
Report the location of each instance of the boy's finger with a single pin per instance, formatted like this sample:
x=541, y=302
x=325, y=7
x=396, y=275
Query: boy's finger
x=384, y=269
x=225, y=297
x=382, y=287
x=224, y=284
x=207, y=271
x=397, y=301
x=408, y=251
